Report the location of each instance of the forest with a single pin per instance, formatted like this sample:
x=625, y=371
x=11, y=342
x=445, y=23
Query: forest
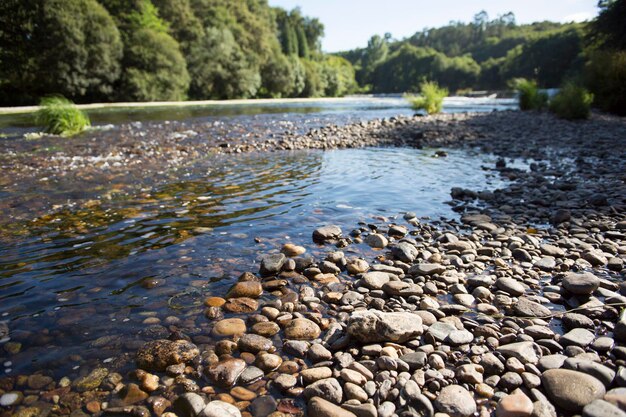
x=154, y=50
x=483, y=54
x=143, y=50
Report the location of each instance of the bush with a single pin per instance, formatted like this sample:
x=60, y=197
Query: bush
x=61, y=117
x=530, y=98
x=605, y=76
x=430, y=98
x=572, y=102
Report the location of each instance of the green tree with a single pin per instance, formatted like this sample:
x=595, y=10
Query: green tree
x=68, y=47
x=184, y=25
x=339, y=76
x=608, y=30
x=222, y=70
x=154, y=68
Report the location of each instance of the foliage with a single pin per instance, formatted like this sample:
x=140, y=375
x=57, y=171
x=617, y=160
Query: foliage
x=481, y=54
x=338, y=76
x=547, y=59
x=572, y=102
x=69, y=47
x=530, y=97
x=430, y=98
x=162, y=50
x=605, y=76
x=608, y=30
x=220, y=69
x=154, y=68
x=61, y=117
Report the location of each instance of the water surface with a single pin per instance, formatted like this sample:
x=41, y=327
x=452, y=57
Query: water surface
x=82, y=282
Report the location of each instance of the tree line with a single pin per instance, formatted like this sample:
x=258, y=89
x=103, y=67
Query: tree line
x=150, y=50
x=482, y=54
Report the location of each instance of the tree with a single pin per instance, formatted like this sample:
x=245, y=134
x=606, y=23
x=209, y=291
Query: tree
x=222, y=70
x=154, y=68
x=608, y=30
x=184, y=25
x=68, y=47
x=278, y=76
x=375, y=53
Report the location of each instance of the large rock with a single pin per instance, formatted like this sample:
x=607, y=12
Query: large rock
x=250, y=289
x=581, y=284
x=374, y=280
x=620, y=328
x=455, y=401
x=302, y=329
x=319, y=407
x=229, y=327
x=220, y=409
x=526, y=308
x=226, y=372
x=571, y=390
x=510, y=286
x=525, y=352
x=159, y=354
x=404, y=252
x=327, y=389
x=601, y=408
x=322, y=234
x=427, y=269
x=272, y=264
x=372, y=326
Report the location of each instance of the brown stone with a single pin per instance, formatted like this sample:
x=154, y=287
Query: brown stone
x=225, y=373
x=241, y=305
x=229, y=327
x=252, y=289
x=214, y=302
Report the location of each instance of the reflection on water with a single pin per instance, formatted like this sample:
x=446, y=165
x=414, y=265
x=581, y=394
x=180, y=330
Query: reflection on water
x=84, y=281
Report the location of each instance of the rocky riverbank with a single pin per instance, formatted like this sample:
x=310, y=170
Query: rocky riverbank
x=513, y=310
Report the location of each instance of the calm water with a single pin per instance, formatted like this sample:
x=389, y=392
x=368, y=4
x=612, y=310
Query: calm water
x=348, y=109
x=77, y=287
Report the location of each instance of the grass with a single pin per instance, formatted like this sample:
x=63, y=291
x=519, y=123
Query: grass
x=572, y=102
x=60, y=116
x=430, y=98
x=530, y=98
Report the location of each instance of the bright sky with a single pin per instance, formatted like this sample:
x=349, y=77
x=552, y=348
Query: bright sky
x=350, y=23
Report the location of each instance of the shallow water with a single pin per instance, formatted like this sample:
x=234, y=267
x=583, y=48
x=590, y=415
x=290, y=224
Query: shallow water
x=336, y=111
x=81, y=282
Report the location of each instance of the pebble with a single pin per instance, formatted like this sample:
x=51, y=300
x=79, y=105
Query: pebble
x=571, y=390
x=581, y=283
x=455, y=401
x=220, y=409
x=302, y=329
x=515, y=405
x=229, y=327
x=320, y=407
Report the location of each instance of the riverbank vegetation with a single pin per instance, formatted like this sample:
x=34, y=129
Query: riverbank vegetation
x=60, y=116
x=163, y=50
x=430, y=98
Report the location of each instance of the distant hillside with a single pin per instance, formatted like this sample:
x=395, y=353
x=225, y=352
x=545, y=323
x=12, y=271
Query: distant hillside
x=483, y=54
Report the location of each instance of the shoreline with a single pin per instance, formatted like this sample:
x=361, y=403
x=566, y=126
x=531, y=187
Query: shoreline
x=192, y=103
x=453, y=317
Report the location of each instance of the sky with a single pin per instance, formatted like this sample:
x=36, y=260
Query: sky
x=350, y=23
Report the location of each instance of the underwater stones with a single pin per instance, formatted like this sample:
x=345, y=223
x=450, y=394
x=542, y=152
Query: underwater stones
x=159, y=354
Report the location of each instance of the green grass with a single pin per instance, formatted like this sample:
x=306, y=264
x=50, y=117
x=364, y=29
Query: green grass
x=572, y=102
x=60, y=116
x=430, y=98
x=530, y=98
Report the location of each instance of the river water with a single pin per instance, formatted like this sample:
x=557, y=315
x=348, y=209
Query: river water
x=87, y=286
